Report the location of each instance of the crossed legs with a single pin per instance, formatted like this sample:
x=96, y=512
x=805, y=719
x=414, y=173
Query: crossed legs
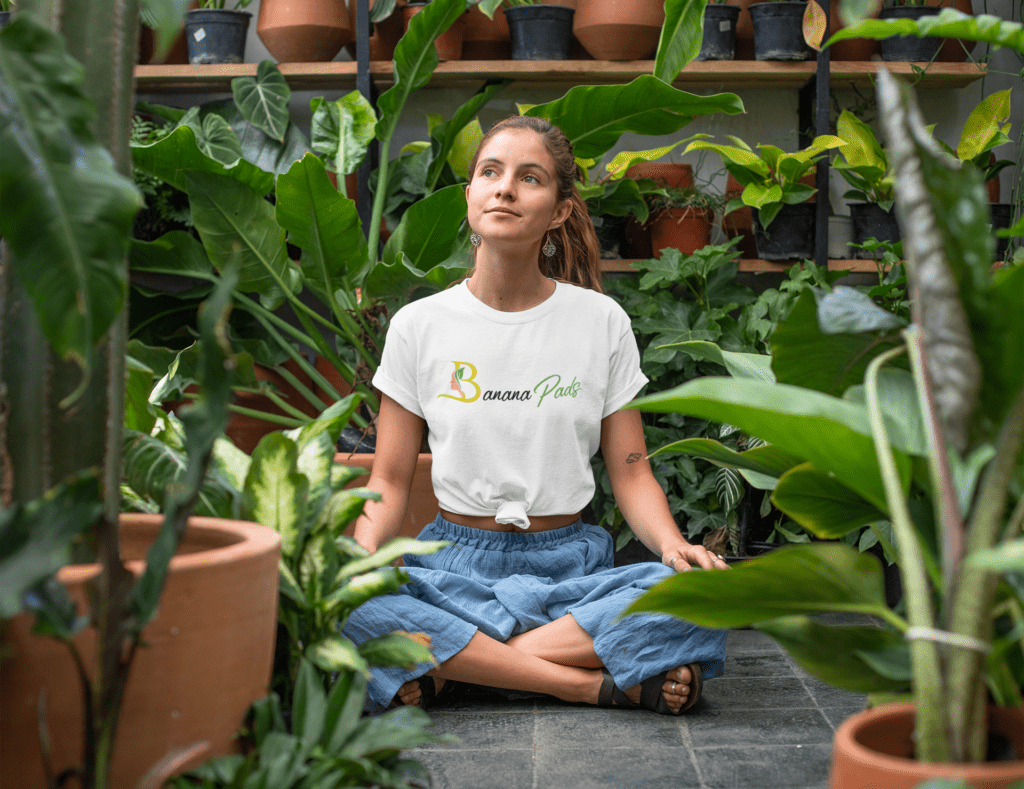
x=557, y=659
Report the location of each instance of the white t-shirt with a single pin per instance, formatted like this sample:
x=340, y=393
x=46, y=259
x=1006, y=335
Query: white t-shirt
x=513, y=401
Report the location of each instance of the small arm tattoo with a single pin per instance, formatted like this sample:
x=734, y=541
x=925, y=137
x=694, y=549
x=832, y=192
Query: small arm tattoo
x=634, y=457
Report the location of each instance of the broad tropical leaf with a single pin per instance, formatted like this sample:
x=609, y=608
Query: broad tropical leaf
x=739, y=365
x=681, y=37
x=822, y=505
x=263, y=99
x=342, y=130
x=275, y=492
x=214, y=136
x=948, y=23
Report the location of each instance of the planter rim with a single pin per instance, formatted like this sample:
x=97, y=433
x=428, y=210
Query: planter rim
x=849, y=729
x=250, y=538
x=198, y=11
x=540, y=11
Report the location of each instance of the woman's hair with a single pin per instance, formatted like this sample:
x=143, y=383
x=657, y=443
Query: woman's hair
x=579, y=254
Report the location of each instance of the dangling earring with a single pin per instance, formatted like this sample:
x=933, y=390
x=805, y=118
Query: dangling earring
x=475, y=239
x=549, y=249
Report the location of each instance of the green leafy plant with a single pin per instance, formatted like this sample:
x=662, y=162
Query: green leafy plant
x=986, y=128
x=935, y=450
x=948, y=23
x=7, y=5
x=865, y=165
x=771, y=178
x=219, y=4
x=697, y=198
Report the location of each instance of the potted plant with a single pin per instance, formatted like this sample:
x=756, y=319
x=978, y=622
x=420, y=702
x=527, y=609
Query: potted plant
x=681, y=218
x=719, y=39
x=217, y=34
x=69, y=320
x=908, y=48
x=865, y=167
x=619, y=31
x=449, y=43
x=863, y=458
x=771, y=180
x=303, y=32
x=779, y=30
x=6, y=9
x=538, y=31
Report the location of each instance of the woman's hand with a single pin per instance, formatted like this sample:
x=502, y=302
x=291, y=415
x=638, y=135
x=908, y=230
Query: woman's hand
x=680, y=557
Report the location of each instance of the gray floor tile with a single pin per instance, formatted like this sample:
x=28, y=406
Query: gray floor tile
x=615, y=768
x=481, y=730
x=828, y=696
x=764, y=767
x=605, y=728
x=759, y=693
x=836, y=715
x=750, y=642
x=754, y=665
x=492, y=768
x=725, y=727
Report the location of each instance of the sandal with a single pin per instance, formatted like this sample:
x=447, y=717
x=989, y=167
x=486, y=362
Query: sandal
x=428, y=693
x=651, y=695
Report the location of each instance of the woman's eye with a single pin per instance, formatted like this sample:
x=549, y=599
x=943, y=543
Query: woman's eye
x=487, y=172
x=531, y=179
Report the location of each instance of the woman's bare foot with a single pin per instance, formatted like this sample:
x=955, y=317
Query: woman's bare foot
x=412, y=694
x=676, y=688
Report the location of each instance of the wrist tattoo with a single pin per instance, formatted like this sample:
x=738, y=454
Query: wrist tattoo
x=634, y=457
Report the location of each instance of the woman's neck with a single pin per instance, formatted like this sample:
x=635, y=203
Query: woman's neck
x=509, y=284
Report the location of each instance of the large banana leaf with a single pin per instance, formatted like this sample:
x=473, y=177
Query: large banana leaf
x=767, y=459
x=594, y=117
x=739, y=365
x=65, y=211
x=323, y=223
x=948, y=23
x=822, y=505
x=833, y=434
x=176, y=252
x=803, y=579
x=444, y=135
x=681, y=37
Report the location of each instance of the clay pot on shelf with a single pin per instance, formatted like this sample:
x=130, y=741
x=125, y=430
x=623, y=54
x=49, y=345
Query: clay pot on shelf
x=205, y=658
x=857, y=49
x=485, y=39
x=216, y=35
x=385, y=34
x=744, y=31
x=449, y=43
x=619, y=29
x=686, y=229
x=304, y=31
x=875, y=748
x=637, y=242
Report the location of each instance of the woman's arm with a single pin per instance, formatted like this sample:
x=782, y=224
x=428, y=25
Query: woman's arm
x=399, y=433
x=641, y=498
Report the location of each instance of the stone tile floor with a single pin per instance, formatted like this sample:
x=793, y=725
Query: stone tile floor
x=765, y=724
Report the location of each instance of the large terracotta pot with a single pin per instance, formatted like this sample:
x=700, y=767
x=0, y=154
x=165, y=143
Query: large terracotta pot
x=485, y=39
x=422, y=507
x=304, y=31
x=619, y=29
x=685, y=229
x=664, y=174
x=449, y=44
x=874, y=749
x=206, y=657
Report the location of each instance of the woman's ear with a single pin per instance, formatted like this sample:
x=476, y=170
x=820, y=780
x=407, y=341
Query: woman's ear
x=562, y=213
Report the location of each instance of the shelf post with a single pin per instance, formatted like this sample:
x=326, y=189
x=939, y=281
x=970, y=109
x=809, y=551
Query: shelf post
x=822, y=85
x=364, y=84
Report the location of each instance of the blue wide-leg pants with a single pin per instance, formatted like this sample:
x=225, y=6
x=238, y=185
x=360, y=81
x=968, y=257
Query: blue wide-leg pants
x=504, y=584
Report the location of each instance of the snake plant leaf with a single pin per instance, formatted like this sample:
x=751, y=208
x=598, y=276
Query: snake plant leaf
x=681, y=36
x=415, y=60
x=818, y=577
x=323, y=223
x=308, y=705
x=844, y=656
x=765, y=459
x=65, y=211
x=823, y=506
x=236, y=223
x=342, y=130
x=396, y=649
x=275, y=493
x=739, y=365
x=593, y=117
x=263, y=99
x=830, y=433
x=173, y=156
x=803, y=355
x=948, y=23
x=214, y=136
x=35, y=540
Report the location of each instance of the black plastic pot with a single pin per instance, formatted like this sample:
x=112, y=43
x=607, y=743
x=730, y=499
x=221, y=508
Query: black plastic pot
x=216, y=35
x=909, y=48
x=870, y=221
x=790, y=235
x=779, y=31
x=540, y=32
x=719, y=42
x=1002, y=214
x=5, y=17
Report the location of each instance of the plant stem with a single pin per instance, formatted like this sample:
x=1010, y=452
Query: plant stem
x=928, y=685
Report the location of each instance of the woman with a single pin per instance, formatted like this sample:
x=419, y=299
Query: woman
x=519, y=379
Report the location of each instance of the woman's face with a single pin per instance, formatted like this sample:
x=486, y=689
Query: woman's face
x=513, y=192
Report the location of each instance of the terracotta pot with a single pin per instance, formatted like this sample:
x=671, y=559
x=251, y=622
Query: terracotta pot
x=852, y=48
x=744, y=31
x=422, y=507
x=685, y=229
x=246, y=431
x=874, y=748
x=206, y=657
x=449, y=43
x=665, y=174
x=619, y=29
x=485, y=39
x=386, y=33
x=304, y=31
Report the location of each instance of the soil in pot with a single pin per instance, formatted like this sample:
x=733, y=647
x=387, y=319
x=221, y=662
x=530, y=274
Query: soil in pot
x=685, y=229
x=619, y=29
x=216, y=35
x=789, y=236
x=719, y=42
x=908, y=48
x=449, y=43
x=540, y=32
x=778, y=31
x=870, y=221
x=875, y=748
x=304, y=31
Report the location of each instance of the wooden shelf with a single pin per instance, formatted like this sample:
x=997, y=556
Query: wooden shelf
x=755, y=266
x=714, y=74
